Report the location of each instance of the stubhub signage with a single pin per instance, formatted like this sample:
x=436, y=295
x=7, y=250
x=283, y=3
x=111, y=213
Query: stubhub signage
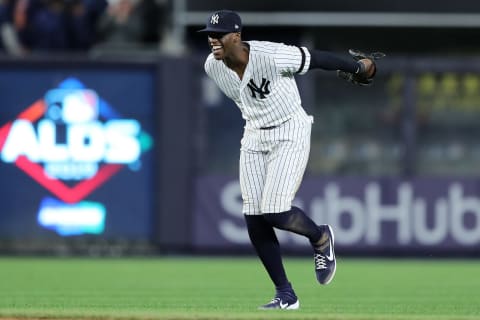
x=71, y=141
x=426, y=214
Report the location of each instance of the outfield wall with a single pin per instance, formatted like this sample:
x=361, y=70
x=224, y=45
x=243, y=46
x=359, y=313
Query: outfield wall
x=420, y=216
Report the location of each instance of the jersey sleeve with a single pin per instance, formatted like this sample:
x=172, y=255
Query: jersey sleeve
x=291, y=60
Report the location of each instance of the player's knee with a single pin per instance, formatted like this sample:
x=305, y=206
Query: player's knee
x=288, y=220
x=259, y=230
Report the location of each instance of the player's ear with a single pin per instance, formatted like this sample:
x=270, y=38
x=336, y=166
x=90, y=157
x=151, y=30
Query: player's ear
x=237, y=37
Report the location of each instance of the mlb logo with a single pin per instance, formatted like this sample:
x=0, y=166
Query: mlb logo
x=71, y=105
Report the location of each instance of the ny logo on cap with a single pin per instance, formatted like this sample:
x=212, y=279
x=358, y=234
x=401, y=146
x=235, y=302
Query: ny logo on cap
x=214, y=19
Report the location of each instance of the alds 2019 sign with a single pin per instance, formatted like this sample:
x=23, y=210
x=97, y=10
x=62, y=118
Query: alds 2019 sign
x=71, y=141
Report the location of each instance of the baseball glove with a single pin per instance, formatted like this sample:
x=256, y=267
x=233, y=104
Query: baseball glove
x=361, y=78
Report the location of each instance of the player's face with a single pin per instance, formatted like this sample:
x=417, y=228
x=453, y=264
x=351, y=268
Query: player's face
x=219, y=43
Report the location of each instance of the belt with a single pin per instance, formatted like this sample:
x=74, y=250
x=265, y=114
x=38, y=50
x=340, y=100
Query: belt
x=269, y=128
x=273, y=127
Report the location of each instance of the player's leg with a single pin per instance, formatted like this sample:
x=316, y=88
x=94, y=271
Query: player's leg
x=285, y=216
x=261, y=233
x=286, y=167
x=266, y=245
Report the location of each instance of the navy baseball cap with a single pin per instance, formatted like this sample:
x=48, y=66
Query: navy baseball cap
x=223, y=21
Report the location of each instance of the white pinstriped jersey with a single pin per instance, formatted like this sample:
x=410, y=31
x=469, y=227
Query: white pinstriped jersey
x=267, y=95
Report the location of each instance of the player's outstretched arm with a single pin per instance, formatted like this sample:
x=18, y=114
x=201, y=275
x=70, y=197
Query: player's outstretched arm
x=360, y=70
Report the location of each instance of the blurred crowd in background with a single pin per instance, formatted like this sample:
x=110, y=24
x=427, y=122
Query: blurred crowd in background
x=38, y=26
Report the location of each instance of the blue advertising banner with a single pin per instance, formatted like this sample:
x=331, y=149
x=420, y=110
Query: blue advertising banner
x=76, y=152
x=392, y=215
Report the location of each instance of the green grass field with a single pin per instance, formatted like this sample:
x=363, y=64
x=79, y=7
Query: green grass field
x=232, y=288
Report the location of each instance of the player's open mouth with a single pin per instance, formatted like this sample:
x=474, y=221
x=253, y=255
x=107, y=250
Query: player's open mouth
x=216, y=48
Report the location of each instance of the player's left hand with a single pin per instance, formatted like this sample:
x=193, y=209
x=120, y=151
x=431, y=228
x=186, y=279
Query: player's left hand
x=367, y=70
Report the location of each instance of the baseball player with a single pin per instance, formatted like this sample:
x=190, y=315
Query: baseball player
x=259, y=77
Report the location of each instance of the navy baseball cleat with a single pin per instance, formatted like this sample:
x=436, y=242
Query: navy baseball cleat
x=324, y=255
x=282, y=303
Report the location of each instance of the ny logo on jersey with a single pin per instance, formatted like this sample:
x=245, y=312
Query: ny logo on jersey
x=262, y=91
x=214, y=19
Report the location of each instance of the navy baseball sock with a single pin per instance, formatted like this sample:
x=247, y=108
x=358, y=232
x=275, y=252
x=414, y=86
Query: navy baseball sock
x=295, y=220
x=266, y=244
x=286, y=292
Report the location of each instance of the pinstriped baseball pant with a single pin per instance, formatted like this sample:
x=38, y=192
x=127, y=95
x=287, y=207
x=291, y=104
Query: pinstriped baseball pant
x=272, y=164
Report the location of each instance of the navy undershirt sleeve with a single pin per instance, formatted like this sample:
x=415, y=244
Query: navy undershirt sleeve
x=330, y=61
